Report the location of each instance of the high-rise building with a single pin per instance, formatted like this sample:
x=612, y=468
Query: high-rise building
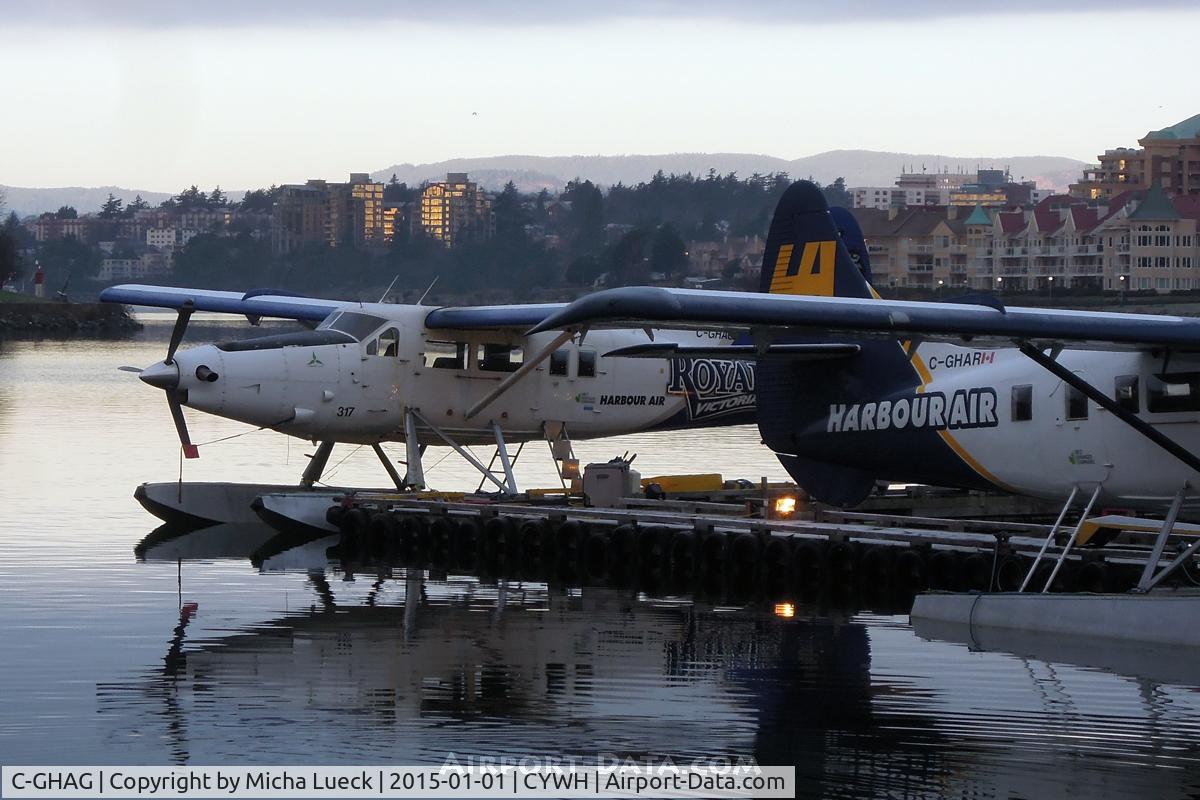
x=1169, y=157
x=336, y=214
x=299, y=217
x=456, y=211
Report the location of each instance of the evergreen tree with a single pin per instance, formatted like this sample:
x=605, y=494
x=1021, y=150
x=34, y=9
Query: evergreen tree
x=217, y=199
x=10, y=259
x=192, y=198
x=138, y=204
x=111, y=208
x=668, y=253
x=66, y=212
x=836, y=194
x=586, y=220
x=259, y=200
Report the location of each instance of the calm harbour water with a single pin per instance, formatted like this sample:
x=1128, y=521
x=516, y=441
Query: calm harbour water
x=193, y=655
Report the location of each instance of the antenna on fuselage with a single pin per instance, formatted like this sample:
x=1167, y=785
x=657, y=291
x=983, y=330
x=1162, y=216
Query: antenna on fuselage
x=388, y=290
x=430, y=289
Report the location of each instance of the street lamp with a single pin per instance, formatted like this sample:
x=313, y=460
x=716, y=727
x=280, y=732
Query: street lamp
x=999, y=283
x=940, y=282
x=1050, y=284
x=1122, y=279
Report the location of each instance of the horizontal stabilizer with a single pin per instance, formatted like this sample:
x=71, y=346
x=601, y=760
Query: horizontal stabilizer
x=798, y=352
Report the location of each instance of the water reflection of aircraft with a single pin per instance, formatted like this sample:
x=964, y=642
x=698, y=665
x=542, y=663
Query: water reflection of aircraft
x=393, y=663
x=375, y=372
x=238, y=540
x=1043, y=402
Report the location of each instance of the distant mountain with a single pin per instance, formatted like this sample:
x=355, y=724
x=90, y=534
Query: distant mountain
x=533, y=173
x=858, y=167
x=84, y=199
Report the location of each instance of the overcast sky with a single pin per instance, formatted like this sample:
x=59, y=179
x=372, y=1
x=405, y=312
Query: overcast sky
x=159, y=94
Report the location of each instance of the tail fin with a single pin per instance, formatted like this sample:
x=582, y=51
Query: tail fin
x=813, y=249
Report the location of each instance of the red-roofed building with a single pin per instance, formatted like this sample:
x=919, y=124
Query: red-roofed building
x=1151, y=242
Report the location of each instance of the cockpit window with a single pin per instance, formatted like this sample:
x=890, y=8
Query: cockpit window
x=445, y=355
x=500, y=357
x=360, y=326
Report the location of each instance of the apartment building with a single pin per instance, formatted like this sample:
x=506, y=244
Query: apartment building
x=456, y=210
x=334, y=214
x=1140, y=241
x=1169, y=157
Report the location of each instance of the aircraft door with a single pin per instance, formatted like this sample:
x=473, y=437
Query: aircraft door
x=374, y=382
x=1074, y=444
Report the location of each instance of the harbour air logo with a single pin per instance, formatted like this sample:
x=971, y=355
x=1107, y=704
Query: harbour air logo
x=314, y=361
x=965, y=409
x=713, y=387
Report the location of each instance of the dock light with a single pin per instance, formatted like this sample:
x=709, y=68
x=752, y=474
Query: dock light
x=785, y=506
x=785, y=610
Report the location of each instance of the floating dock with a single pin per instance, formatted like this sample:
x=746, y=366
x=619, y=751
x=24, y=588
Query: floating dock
x=697, y=539
x=1167, y=617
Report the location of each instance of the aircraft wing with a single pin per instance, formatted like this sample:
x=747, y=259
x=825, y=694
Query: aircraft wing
x=250, y=304
x=954, y=322
x=469, y=318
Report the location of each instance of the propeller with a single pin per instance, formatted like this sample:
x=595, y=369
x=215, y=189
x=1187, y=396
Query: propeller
x=181, y=322
x=165, y=376
x=176, y=404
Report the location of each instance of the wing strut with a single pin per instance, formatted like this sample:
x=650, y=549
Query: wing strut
x=1108, y=404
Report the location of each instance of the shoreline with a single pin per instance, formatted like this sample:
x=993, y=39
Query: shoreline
x=63, y=320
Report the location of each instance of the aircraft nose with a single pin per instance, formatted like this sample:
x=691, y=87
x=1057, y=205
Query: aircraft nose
x=162, y=375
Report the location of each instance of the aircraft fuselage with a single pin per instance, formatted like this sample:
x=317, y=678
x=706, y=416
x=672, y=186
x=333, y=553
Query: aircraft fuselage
x=992, y=418
x=353, y=379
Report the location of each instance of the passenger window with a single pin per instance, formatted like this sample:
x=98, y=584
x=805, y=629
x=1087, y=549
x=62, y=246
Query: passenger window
x=1127, y=393
x=1077, y=407
x=1179, y=391
x=445, y=355
x=587, y=363
x=1022, y=403
x=500, y=358
x=559, y=360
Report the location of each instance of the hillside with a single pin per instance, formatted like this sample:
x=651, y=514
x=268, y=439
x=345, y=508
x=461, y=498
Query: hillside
x=533, y=173
x=85, y=199
x=858, y=167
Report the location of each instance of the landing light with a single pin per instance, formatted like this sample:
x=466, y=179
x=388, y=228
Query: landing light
x=785, y=506
x=785, y=610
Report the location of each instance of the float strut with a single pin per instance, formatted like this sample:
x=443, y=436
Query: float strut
x=502, y=450
x=312, y=473
x=1160, y=543
x=415, y=478
x=389, y=466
